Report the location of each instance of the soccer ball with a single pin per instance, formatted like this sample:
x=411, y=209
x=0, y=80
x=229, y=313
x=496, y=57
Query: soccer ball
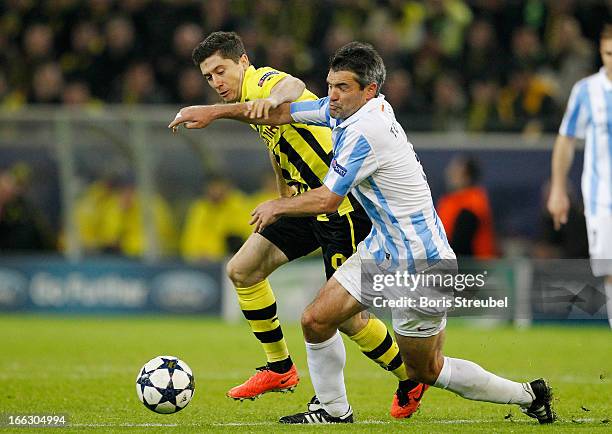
x=165, y=384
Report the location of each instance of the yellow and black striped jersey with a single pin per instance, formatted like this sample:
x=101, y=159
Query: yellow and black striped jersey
x=303, y=152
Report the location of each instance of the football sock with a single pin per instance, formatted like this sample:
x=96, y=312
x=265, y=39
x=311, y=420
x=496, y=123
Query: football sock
x=470, y=381
x=326, y=363
x=375, y=341
x=608, y=294
x=259, y=308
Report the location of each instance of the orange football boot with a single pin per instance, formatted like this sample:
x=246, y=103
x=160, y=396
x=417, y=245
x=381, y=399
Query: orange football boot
x=265, y=381
x=406, y=403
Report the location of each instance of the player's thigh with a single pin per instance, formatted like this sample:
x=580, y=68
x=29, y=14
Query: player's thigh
x=332, y=306
x=422, y=356
x=255, y=261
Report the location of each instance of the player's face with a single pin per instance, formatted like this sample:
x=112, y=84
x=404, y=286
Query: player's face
x=345, y=93
x=225, y=76
x=605, y=50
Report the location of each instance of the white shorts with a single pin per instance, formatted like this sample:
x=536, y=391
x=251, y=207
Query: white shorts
x=410, y=321
x=599, y=230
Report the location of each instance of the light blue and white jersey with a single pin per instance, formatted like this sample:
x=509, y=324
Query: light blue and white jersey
x=589, y=116
x=375, y=161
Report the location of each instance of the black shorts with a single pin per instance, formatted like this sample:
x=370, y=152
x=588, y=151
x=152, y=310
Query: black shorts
x=338, y=237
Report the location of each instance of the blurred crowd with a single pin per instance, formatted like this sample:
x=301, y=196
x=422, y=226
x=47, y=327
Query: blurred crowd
x=109, y=219
x=477, y=65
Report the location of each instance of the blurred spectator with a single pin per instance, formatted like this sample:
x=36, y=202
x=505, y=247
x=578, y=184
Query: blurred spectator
x=139, y=86
x=570, y=241
x=78, y=93
x=571, y=55
x=482, y=113
x=48, y=84
x=22, y=227
x=398, y=90
x=449, y=104
x=526, y=103
x=86, y=44
x=120, y=50
x=465, y=211
x=216, y=224
x=191, y=88
x=122, y=230
x=186, y=37
x=527, y=50
x=482, y=60
x=90, y=209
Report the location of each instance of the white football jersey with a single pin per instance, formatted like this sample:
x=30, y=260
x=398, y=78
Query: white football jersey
x=374, y=160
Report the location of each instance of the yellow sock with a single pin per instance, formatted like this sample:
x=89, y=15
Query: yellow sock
x=258, y=305
x=375, y=341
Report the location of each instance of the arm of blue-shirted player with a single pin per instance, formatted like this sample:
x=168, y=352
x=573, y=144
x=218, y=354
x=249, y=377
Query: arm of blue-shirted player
x=573, y=125
x=265, y=111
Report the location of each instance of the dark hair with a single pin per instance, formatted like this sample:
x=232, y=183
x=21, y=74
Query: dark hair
x=472, y=168
x=606, y=33
x=228, y=44
x=363, y=60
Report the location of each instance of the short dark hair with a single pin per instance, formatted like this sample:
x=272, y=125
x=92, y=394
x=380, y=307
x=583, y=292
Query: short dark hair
x=363, y=60
x=228, y=44
x=606, y=33
x=472, y=168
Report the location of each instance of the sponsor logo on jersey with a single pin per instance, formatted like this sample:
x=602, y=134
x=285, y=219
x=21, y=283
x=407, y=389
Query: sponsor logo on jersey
x=338, y=168
x=264, y=77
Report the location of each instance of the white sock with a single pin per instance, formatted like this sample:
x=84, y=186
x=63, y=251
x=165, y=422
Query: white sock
x=470, y=381
x=609, y=301
x=326, y=363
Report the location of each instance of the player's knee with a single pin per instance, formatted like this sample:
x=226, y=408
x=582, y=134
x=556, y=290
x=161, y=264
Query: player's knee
x=313, y=326
x=240, y=275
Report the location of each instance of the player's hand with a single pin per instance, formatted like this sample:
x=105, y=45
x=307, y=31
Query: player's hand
x=260, y=108
x=264, y=215
x=558, y=206
x=195, y=116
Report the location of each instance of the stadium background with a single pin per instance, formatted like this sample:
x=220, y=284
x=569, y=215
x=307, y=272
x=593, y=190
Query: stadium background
x=111, y=213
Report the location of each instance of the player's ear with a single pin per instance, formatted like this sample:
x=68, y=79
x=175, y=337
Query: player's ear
x=244, y=61
x=371, y=90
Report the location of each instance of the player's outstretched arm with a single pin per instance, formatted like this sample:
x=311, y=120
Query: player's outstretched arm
x=558, y=202
x=287, y=89
x=200, y=116
x=313, y=202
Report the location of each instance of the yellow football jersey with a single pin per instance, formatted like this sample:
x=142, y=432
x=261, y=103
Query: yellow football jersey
x=303, y=152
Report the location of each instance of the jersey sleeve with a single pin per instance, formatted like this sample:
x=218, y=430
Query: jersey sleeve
x=312, y=112
x=260, y=83
x=353, y=162
x=575, y=119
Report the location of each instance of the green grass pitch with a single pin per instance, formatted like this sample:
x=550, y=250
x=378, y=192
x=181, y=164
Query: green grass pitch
x=86, y=367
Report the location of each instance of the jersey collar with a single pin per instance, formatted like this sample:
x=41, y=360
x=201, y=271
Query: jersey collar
x=247, y=76
x=605, y=80
x=369, y=106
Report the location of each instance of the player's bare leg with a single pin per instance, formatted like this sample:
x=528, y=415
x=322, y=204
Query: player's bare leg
x=249, y=270
x=426, y=363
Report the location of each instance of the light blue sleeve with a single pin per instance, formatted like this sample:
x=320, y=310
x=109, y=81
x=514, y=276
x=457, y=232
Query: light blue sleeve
x=353, y=162
x=312, y=112
x=575, y=119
